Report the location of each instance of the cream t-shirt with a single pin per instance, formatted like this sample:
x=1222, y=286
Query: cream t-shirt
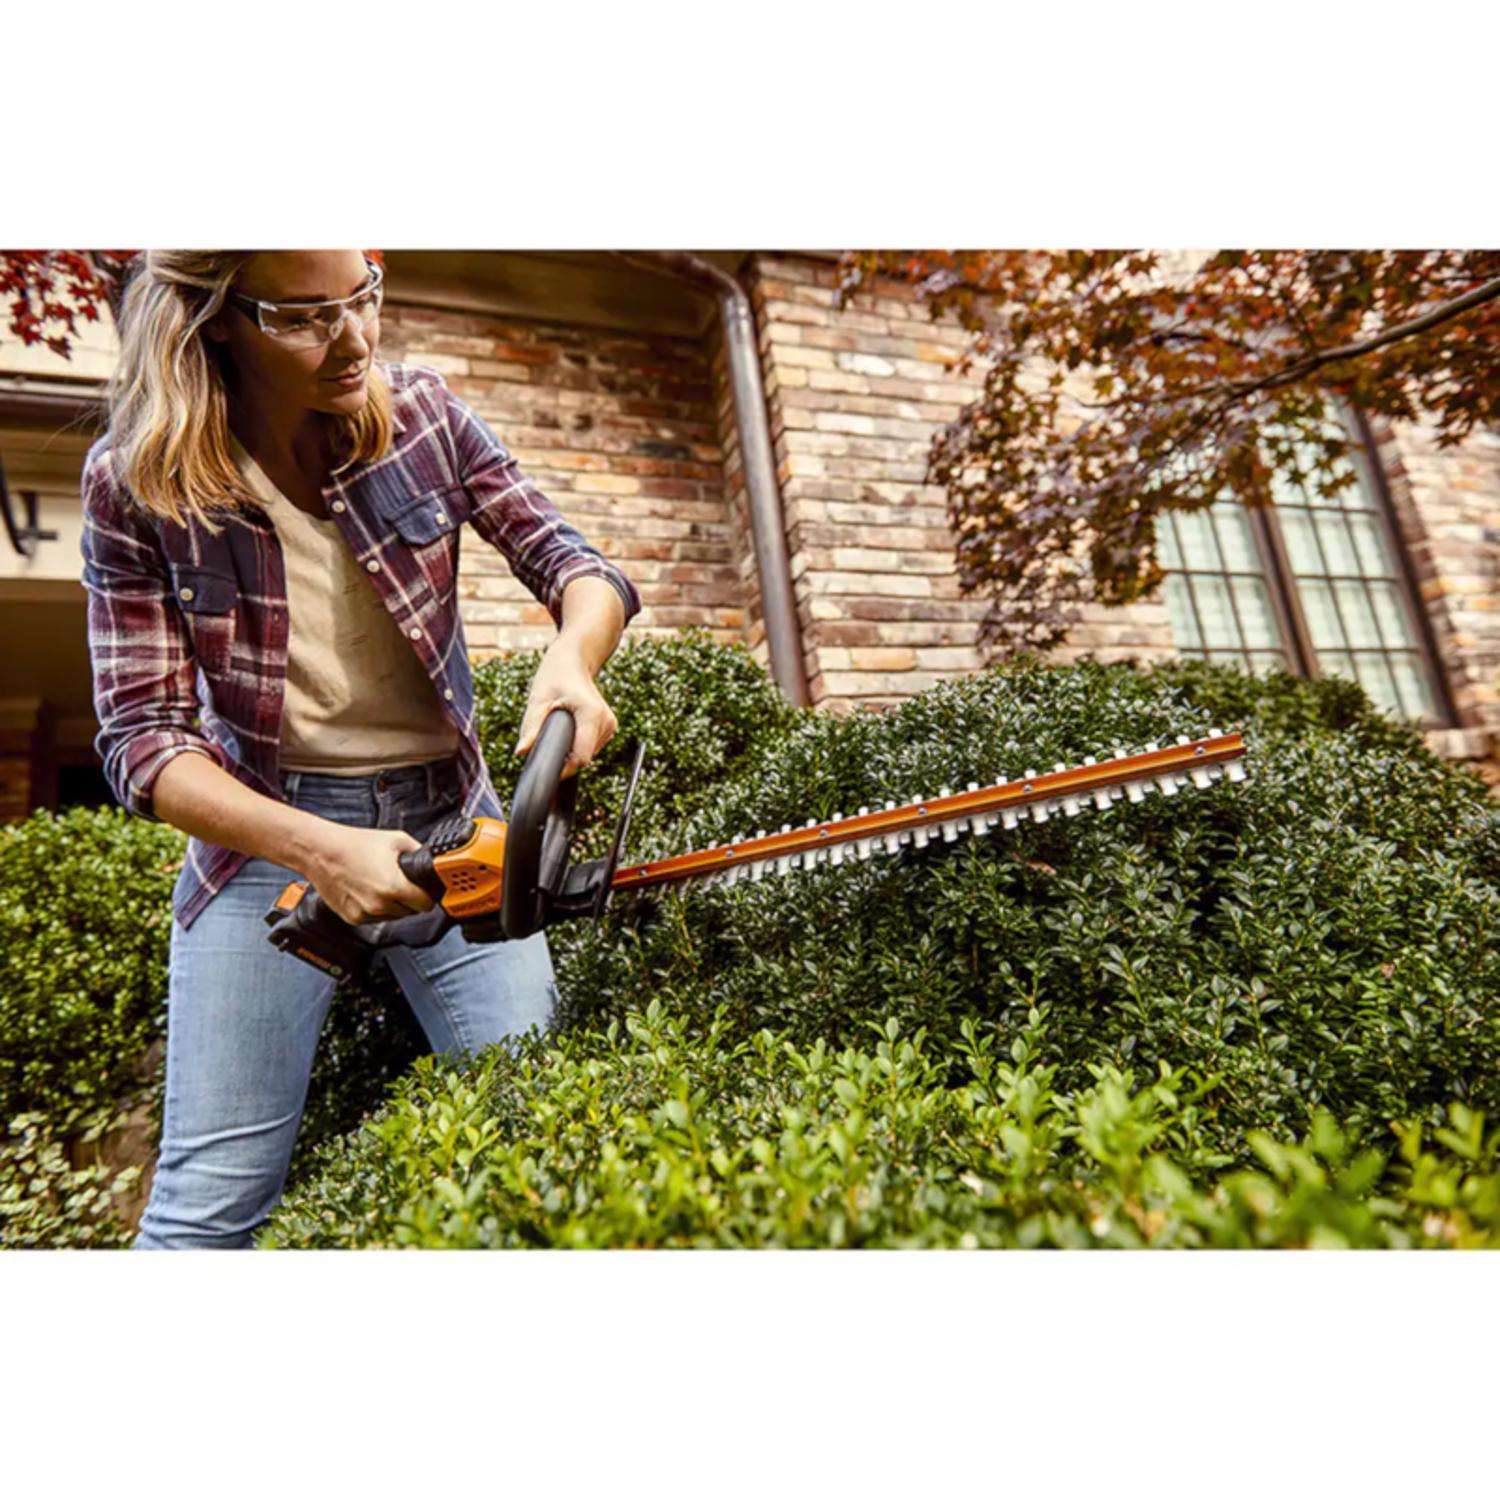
x=358, y=700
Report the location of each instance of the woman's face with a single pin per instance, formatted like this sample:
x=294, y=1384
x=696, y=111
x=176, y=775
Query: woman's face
x=300, y=377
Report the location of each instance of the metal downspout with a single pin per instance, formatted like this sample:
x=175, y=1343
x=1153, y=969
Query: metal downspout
x=767, y=519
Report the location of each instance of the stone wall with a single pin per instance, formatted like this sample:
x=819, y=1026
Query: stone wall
x=622, y=433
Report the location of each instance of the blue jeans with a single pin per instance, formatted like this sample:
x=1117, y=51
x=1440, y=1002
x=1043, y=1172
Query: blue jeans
x=243, y=1018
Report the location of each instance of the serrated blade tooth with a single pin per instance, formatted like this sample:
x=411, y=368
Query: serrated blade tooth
x=1009, y=817
x=1168, y=784
x=836, y=854
x=1135, y=791
x=1201, y=777
x=1103, y=800
x=1069, y=804
x=1235, y=770
x=1214, y=734
x=892, y=842
x=1039, y=813
x=975, y=823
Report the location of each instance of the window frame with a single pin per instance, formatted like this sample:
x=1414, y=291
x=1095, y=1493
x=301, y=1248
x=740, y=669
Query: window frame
x=1281, y=580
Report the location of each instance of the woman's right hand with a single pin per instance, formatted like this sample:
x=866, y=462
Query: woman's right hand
x=357, y=874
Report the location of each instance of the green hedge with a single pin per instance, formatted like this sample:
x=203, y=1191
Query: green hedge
x=1322, y=938
x=1316, y=945
x=85, y=901
x=652, y=1134
x=1323, y=935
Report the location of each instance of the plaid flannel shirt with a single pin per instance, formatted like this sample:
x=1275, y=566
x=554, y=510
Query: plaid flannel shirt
x=188, y=631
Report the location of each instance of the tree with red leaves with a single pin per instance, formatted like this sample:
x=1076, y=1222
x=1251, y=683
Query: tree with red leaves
x=46, y=292
x=1119, y=384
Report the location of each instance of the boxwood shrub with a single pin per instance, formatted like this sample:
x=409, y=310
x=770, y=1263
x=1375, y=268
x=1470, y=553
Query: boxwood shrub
x=85, y=901
x=1321, y=936
x=658, y=1133
x=1318, y=944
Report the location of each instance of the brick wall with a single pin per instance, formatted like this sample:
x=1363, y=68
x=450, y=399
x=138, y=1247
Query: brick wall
x=855, y=399
x=1447, y=504
x=622, y=433
x=21, y=731
x=634, y=437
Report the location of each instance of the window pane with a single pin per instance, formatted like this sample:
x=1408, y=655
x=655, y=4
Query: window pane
x=1370, y=667
x=1216, y=611
x=1370, y=545
x=1335, y=663
x=1357, y=496
x=1337, y=548
x=1196, y=538
x=1235, y=540
x=1256, y=619
x=1166, y=543
x=1322, y=617
x=1358, y=617
x=1296, y=527
x=1268, y=661
x=1180, y=611
x=1416, y=691
x=1395, y=627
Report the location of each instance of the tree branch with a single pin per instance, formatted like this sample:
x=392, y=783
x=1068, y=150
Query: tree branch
x=1442, y=313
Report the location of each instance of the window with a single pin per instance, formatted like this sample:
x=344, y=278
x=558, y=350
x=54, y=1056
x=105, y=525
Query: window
x=1311, y=585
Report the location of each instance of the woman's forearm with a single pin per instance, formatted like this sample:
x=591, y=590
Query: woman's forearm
x=593, y=620
x=198, y=796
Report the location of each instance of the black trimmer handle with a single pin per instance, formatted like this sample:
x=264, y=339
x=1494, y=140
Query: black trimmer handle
x=539, y=830
x=313, y=931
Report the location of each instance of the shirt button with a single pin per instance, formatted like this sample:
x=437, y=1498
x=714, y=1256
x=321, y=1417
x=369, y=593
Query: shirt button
x=185, y=595
x=415, y=633
x=439, y=517
x=447, y=692
x=373, y=566
x=338, y=507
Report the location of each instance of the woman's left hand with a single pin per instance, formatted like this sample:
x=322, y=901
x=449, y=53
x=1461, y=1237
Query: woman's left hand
x=564, y=680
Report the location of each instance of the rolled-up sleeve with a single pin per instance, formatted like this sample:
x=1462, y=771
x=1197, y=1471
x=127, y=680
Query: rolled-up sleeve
x=144, y=671
x=513, y=515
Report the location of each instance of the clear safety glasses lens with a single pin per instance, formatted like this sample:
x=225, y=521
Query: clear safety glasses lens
x=310, y=327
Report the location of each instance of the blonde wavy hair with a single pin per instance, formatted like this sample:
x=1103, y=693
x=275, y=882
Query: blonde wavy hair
x=168, y=406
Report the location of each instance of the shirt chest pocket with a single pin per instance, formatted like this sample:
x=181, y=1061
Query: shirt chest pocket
x=425, y=519
x=207, y=598
x=428, y=526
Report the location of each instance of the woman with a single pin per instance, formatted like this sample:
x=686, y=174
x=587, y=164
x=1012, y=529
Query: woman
x=270, y=544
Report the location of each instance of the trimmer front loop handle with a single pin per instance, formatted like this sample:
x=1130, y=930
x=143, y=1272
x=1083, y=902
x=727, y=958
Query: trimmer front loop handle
x=541, y=824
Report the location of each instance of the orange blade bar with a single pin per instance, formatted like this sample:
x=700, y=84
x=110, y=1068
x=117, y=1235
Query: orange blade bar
x=1076, y=781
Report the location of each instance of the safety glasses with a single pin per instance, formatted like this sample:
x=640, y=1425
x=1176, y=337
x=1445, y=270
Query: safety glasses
x=309, y=325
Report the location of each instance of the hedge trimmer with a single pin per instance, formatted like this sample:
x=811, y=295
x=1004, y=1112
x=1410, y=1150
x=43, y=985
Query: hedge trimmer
x=499, y=881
